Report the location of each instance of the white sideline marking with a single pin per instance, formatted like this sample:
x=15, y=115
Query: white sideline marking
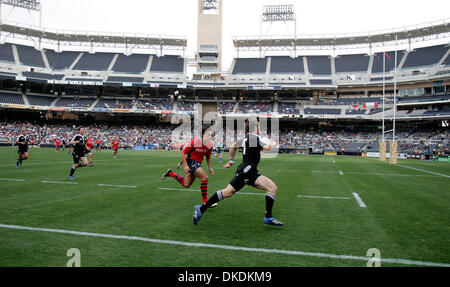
x=323, y=171
x=58, y=182
x=327, y=197
x=422, y=170
x=388, y=174
x=341, y=173
x=195, y=190
x=115, y=185
x=332, y=159
x=359, y=200
x=12, y=179
x=226, y=247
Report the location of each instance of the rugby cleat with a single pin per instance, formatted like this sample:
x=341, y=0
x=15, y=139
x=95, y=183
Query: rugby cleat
x=272, y=221
x=214, y=205
x=70, y=177
x=166, y=175
x=197, y=214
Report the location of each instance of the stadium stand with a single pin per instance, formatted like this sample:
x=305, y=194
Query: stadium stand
x=43, y=76
x=226, y=107
x=169, y=63
x=134, y=64
x=321, y=111
x=426, y=56
x=61, y=61
x=319, y=65
x=254, y=107
x=6, y=53
x=74, y=102
x=29, y=56
x=11, y=98
x=94, y=62
x=286, y=65
x=40, y=100
x=115, y=103
x=287, y=108
x=352, y=63
x=389, y=63
x=250, y=66
x=121, y=79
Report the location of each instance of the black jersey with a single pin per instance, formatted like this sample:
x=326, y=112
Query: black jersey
x=79, y=148
x=251, y=149
x=23, y=139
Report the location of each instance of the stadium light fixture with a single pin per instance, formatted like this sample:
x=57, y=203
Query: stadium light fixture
x=277, y=13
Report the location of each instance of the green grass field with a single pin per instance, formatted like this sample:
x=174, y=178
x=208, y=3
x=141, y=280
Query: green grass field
x=407, y=213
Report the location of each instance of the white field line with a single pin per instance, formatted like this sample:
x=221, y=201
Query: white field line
x=332, y=159
x=195, y=190
x=12, y=179
x=426, y=171
x=226, y=247
x=376, y=174
x=58, y=182
x=115, y=185
x=326, y=197
x=359, y=200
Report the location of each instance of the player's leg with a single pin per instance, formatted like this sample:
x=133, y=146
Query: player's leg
x=186, y=181
x=90, y=158
x=213, y=200
x=19, y=159
x=265, y=183
x=201, y=174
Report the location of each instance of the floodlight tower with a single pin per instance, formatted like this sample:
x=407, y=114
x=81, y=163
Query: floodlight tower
x=29, y=5
x=285, y=14
x=209, y=36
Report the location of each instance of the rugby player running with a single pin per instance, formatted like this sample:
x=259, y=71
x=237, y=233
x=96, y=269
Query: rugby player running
x=246, y=173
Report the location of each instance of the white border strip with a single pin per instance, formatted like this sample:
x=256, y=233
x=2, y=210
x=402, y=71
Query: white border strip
x=226, y=247
x=327, y=197
x=115, y=185
x=359, y=200
x=422, y=170
x=12, y=179
x=58, y=182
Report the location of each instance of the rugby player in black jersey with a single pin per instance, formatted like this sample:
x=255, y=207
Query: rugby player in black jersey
x=22, y=142
x=246, y=173
x=79, y=153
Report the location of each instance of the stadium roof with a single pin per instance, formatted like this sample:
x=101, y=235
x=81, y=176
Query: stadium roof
x=66, y=37
x=415, y=33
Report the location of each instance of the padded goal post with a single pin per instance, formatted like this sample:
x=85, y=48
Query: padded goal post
x=393, y=159
x=382, y=150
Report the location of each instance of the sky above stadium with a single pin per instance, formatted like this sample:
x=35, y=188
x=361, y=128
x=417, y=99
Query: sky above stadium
x=241, y=18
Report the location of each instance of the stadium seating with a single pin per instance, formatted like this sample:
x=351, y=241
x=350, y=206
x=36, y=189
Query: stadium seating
x=11, y=98
x=121, y=79
x=250, y=66
x=319, y=65
x=286, y=65
x=75, y=102
x=254, y=107
x=172, y=64
x=134, y=64
x=321, y=111
x=43, y=76
x=115, y=103
x=61, y=61
x=94, y=62
x=352, y=63
x=40, y=100
x=6, y=53
x=425, y=56
x=226, y=107
x=287, y=108
x=389, y=63
x=30, y=56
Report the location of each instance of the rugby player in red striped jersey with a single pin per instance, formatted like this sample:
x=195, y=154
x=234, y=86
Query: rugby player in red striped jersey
x=192, y=157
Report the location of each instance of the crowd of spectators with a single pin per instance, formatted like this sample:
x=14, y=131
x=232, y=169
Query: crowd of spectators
x=159, y=136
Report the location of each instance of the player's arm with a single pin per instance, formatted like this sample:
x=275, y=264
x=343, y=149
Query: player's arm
x=208, y=161
x=233, y=150
x=267, y=147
